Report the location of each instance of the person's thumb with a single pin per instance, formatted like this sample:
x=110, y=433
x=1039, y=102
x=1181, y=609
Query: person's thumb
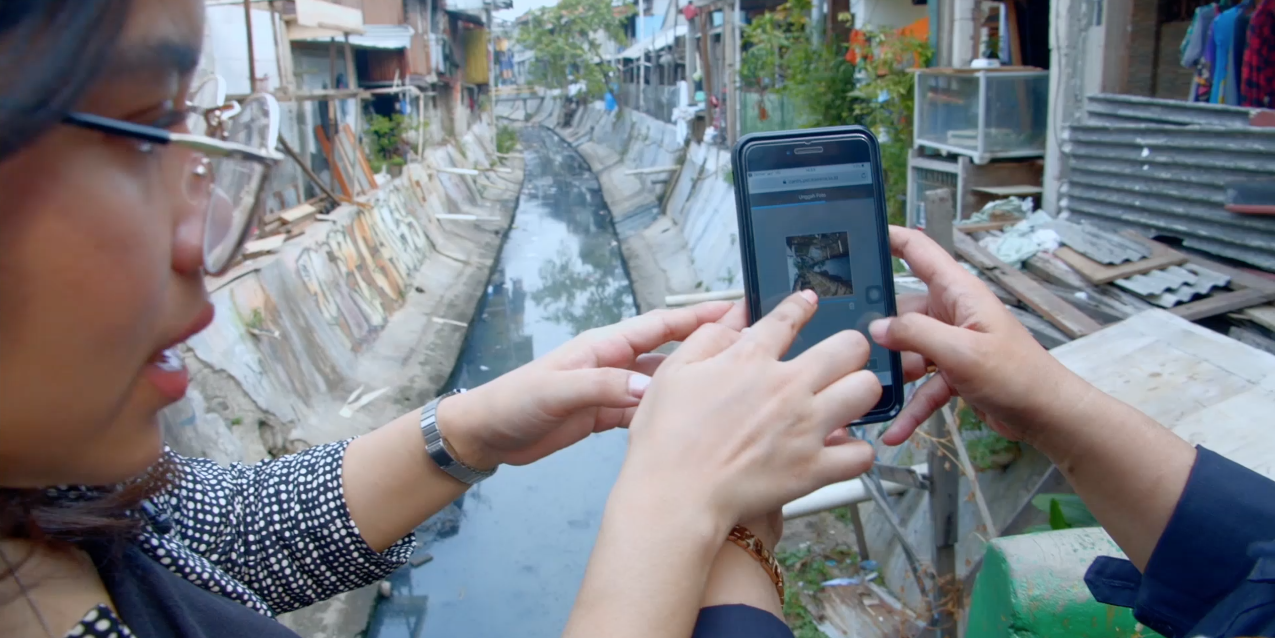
x=920, y=333
x=573, y=390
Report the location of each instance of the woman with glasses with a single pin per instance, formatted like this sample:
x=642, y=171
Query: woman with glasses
x=120, y=195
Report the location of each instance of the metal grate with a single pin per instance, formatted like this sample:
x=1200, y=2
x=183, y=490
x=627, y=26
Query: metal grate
x=923, y=180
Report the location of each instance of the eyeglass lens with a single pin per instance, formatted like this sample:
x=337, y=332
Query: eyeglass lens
x=230, y=188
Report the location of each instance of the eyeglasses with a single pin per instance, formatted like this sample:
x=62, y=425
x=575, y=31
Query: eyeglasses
x=226, y=171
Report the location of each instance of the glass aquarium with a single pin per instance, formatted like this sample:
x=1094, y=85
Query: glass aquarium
x=986, y=114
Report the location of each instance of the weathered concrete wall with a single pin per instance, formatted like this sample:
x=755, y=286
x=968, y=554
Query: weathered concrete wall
x=293, y=328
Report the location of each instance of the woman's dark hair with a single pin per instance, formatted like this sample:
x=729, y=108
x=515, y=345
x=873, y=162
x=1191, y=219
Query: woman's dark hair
x=51, y=51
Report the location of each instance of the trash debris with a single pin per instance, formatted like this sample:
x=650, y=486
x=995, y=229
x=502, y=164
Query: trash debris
x=840, y=582
x=385, y=589
x=1003, y=209
x=1020, y=242
x=421, y=559
x=483, y=368
x=869, y=566
x=352, y=406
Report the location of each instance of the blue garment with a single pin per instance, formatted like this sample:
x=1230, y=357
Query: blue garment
x=1213, y=571
x=1226, y=80
x=738, y=621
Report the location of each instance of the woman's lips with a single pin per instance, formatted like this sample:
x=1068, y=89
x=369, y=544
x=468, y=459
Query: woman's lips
x=167, y=372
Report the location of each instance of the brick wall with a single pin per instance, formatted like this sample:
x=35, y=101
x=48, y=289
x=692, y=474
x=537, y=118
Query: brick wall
x=1173, y=82
x=1142, y=47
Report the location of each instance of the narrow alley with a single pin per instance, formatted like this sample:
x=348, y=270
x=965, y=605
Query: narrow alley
x=509, y=556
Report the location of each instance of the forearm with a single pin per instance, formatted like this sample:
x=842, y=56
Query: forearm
x=1127, y=468
x=391, y=485
x=648, y=570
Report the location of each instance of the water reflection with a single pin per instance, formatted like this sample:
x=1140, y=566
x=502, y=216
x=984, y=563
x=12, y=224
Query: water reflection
x=509, y=557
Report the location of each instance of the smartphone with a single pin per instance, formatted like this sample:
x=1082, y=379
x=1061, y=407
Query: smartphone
x=811, y=208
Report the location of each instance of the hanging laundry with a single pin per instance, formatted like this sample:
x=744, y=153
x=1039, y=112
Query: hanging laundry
x=1259, y=58
x=1204, y=68
x=1225, y=79
x=1192, y=48
x=1241, y=44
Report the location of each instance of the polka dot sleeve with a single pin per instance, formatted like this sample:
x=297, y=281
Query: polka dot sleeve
x=280, y=527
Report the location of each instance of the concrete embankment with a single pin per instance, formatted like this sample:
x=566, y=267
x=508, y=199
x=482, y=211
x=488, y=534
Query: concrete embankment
x=373, y=299
x=677, y=227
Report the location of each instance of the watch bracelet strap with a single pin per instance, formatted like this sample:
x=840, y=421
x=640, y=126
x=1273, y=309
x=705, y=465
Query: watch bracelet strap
x=749, y=542
x=440, y=451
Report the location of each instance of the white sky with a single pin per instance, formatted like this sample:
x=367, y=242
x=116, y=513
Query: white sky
x=523, y=6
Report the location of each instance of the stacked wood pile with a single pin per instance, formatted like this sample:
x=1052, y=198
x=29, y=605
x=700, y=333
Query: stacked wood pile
x=1100, y=277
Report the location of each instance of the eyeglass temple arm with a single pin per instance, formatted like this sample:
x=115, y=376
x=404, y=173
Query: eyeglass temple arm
x=118, y=127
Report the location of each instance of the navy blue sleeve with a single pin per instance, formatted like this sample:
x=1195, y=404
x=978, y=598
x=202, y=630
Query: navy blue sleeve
x=1203, y=554
x=738, y=621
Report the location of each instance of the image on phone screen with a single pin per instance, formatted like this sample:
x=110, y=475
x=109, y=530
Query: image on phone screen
x=815, y=223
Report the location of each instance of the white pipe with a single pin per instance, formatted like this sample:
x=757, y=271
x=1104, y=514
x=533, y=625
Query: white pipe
x=840, y=494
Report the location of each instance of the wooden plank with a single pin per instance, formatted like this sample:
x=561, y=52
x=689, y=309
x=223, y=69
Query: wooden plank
x=263, y=246
x=1161, y=257
x=1015, y=190
x=329, y=152
x=293, y=215
x=1223, y=303
x=1261, y=315
x=1065, y=316
x=983, y=227
x=362, y=157
x=350, y=165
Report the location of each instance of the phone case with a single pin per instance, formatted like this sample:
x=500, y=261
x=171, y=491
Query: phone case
x=746, y=250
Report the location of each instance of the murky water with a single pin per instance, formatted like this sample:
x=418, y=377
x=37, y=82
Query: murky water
x=508, y=558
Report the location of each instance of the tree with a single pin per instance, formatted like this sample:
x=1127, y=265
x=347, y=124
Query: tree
x=567, y=40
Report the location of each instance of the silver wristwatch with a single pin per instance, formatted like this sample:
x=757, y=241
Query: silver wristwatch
x=437, y=448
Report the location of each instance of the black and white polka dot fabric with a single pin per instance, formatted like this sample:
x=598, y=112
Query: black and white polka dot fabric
x=275, y=536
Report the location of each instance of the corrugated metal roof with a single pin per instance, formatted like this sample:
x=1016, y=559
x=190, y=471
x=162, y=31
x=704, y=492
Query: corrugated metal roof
x=1132, y=109
x=378, y=36
x=1100, y=245
x=1171, y=286
x=1170, y=180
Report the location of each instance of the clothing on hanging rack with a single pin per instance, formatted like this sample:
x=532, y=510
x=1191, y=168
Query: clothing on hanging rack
x=1192, y=48
x=1226, y=78
x=1204, y=68
x=1258, y=72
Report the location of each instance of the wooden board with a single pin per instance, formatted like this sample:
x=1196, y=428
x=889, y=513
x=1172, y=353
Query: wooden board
x=1015, y=190
x=1161, y=257
x=1223, y=303
x=263, y=246
x=1262, y=315
x=330, y=153
x=362, y=157
x=294, y=215
x=983, y=227
x=1065, y=316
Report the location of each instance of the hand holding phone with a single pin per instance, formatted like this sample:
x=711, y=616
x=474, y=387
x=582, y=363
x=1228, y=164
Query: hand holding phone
x=811, y=208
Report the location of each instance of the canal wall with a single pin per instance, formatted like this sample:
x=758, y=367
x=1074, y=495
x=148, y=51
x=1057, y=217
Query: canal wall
x=672, y=203
x=677, y=227
x=298, y=331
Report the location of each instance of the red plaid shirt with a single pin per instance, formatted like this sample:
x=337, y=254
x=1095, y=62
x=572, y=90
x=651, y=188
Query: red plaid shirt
x=1257, y=86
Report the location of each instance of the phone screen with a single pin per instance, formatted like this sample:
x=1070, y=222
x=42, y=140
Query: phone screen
x=815, y=221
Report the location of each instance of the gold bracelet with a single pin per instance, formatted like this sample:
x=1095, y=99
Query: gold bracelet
x=749, y=542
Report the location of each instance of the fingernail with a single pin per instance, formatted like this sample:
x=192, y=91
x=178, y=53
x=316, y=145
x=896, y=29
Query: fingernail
x=638, y=384
x=810, y=296
x=878, y=329
x=746, y=330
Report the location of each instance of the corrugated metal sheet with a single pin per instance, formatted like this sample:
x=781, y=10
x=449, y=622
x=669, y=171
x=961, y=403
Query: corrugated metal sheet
x=1132, y=109
x=1170, y=180
x=1174, y=285
x=1100, y=245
